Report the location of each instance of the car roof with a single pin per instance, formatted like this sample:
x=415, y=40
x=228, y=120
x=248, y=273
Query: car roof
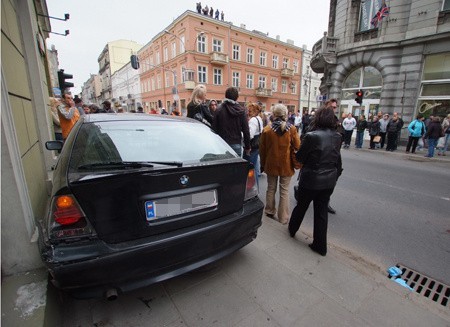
x=106, y=117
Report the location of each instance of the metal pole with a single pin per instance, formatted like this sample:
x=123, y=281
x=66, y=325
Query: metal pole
x=309, y=92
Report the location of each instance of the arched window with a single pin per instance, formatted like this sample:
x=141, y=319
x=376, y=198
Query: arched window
x=368, y=79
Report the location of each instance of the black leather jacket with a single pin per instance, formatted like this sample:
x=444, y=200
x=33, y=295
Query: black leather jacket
x=321, y=158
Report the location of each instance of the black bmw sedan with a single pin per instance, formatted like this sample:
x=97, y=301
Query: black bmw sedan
x=139, y=198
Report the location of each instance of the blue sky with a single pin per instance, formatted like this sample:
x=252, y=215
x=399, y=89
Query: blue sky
x=94, y=23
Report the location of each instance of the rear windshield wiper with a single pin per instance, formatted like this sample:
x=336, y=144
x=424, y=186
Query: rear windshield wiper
x=127, y=164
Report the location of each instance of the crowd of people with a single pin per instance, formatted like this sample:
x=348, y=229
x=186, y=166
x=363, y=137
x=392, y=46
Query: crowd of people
x=209, y=11
x=272, y=142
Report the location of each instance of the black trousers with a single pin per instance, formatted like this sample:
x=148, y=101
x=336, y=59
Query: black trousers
x=347, y=137
x=412, y=141
x=391, y=141
x=320, y=200
x=383, y=139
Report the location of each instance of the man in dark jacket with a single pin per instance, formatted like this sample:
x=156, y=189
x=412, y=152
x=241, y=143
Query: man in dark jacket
x=230, y=120
x=434, y=132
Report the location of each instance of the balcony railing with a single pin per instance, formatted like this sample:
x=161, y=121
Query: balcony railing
x=324, y=52
x=218, y=58
x=265, y=93
x=287, y=72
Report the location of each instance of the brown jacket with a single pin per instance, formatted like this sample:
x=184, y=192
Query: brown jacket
x=275, y=151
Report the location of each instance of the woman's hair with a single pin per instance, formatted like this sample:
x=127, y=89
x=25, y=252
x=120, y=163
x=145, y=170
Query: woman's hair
x=280, y=112
x=199, y=92
x=253, y=109
x=419, y=116
x=325, y=118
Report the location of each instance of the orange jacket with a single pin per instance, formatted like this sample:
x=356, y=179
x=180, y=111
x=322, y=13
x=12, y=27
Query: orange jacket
x=67, y=123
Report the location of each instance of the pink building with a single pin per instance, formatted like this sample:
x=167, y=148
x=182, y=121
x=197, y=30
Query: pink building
x=197, y=49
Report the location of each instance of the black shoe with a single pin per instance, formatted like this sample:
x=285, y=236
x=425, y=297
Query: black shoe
x=312, y=247
x=291, y=233
x=331, y=210
x=271, y=216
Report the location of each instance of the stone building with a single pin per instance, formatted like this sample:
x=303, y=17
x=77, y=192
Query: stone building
x=400, y=61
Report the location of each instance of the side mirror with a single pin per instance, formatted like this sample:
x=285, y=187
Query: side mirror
x=54, y=145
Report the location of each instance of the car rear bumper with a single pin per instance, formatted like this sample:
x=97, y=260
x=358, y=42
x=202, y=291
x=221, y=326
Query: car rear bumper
x=127, y=266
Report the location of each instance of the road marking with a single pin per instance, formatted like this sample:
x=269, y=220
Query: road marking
x=446, y=199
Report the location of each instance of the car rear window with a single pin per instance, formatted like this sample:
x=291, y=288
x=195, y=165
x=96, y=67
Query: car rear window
x=147, y=141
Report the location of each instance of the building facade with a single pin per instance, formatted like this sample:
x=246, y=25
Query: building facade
x=310, y=97
x=197, y=49
x=114, y=56
x=26, y=126
x=126, y=88
x=91, y=90
x=401, y=62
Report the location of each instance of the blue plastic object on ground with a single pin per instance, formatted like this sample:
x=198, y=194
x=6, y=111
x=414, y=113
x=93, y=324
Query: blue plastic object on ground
x=394, y=271
x=403, y=283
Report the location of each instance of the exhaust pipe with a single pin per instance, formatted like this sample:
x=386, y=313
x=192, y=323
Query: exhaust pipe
x=111, y=294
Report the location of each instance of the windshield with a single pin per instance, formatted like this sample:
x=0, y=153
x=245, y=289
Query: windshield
x=102, y=145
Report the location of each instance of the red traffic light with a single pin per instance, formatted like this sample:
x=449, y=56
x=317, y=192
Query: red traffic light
x=359, y=94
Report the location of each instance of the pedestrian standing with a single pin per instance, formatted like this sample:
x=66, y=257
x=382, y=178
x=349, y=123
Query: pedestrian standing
x=383, y=124
x=433, y=133
x=211, y=12
x=199, y=7
x=401, y=122
x=361, y=126
x=348, y=124
x=322, y=165
x=416, y=130
x=197, y=108
x=54, y=103
x=68, y=114
x=231, y=124
x=277, y=142
x=216, y=14
x=374, y=130
x=446, y=129
x=222, y=15
x=255, y=125
x=305, y=122
x=392, y=128
x=298, y=121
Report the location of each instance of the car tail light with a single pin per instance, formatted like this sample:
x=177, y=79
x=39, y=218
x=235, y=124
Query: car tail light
x=67, y=219
x=251, y=189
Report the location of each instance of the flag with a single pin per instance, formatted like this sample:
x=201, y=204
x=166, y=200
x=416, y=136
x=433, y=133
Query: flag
x=383, y=12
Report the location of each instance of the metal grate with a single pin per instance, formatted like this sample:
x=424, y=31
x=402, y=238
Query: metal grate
x=426, y=286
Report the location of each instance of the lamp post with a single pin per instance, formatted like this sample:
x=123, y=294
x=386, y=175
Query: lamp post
x=307, y=83
x=182, y=42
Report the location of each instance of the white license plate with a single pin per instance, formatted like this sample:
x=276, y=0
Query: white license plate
x=177, y=205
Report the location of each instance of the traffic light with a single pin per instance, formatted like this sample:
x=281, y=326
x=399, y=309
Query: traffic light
x=62, y=80
x=134, y=61
x=359, y=96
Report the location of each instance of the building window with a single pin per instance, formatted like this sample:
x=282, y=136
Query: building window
x=274, y=84
x=168, y=79
x=434, y=97
x=174, y=50
x=285, y=62
x=158, y=81
x=151, y=64
x=446, y=5
x=293, y=88
x=235, y=79
x=217, y=45
x=201, y=74
x=284, y=86
x=275, y=61
x=158, y=58
x=201, y=43
x=250, y=55
x=262, y=82
x=153, y=86
x=367, y=11
x=217, y=76
x=295, y=65
x=166, y=54
x=262, y=58
x=236, y=51
x=250, y=81
x=182, y=44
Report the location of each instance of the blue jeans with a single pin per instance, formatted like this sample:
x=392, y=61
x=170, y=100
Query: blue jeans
x=359, y=139
x=237, y=148
x=431, y=145
x=445, y=148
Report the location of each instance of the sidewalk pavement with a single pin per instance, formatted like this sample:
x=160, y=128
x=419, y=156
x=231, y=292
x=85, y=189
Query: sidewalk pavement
x=274, y=281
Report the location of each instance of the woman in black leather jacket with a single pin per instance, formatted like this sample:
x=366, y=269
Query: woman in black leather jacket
x=321, y=158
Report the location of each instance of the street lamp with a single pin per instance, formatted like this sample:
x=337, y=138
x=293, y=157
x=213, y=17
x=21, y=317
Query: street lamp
x=182, y=42
x=196, y=40
x=307, y=83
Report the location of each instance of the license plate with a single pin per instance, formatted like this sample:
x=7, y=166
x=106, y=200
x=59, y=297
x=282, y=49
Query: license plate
x=177, y=205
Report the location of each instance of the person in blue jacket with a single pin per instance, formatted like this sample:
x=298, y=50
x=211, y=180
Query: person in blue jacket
x=416, y=130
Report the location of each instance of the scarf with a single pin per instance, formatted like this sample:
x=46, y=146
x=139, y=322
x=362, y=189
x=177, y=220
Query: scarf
x=276, y=126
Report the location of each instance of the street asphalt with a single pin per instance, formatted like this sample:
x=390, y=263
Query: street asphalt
x=274, y=281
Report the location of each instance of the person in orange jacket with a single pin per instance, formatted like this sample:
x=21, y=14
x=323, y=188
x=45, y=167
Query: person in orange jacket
x=68, y=114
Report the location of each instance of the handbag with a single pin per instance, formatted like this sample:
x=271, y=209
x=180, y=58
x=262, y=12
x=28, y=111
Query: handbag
x=254, y=142
x=377, y=139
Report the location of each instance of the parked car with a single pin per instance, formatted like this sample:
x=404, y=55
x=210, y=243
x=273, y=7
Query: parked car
x=138, y=199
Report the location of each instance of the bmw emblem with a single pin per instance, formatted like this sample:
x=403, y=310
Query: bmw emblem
x=184, y=180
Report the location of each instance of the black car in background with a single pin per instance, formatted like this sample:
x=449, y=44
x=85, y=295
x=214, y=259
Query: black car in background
x=139, y=198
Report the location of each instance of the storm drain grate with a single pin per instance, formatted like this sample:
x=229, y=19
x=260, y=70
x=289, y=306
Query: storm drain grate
x=426, y=286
